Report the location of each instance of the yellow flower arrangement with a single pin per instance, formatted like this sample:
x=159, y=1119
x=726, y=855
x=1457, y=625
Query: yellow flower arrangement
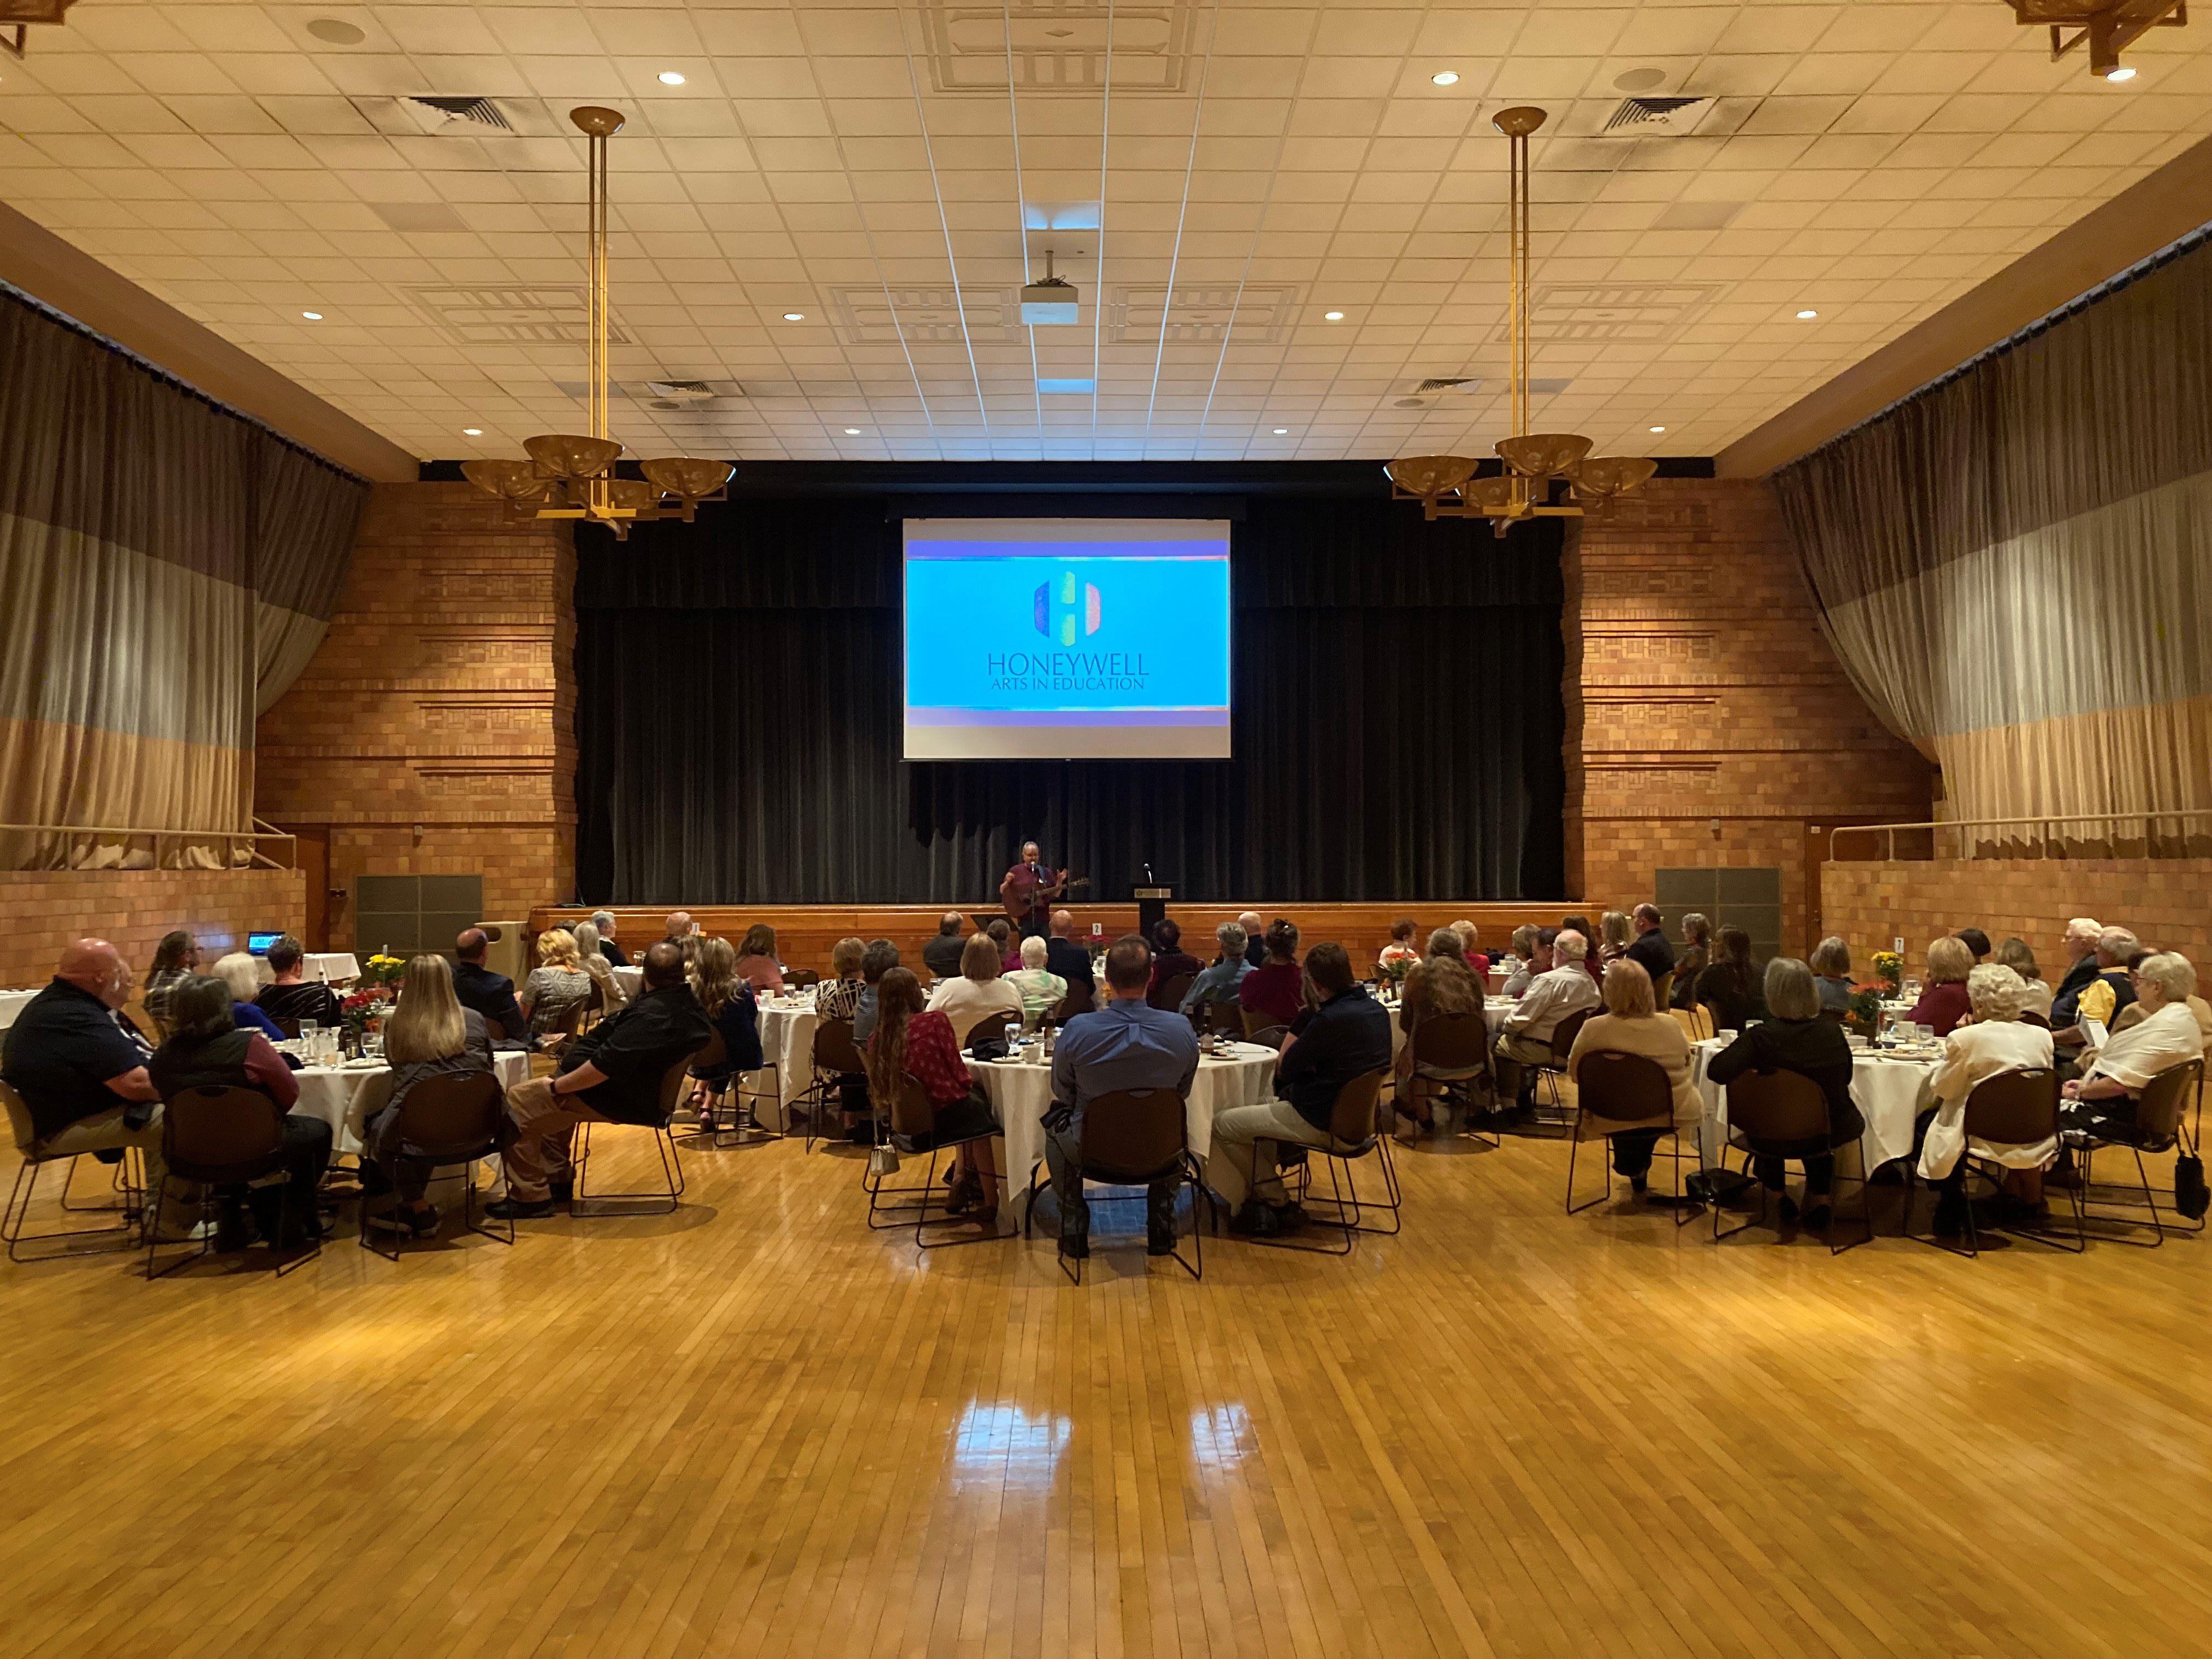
x=1889, y=969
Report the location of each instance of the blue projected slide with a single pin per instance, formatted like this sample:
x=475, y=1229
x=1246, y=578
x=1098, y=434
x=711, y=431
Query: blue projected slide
x=1067, y=638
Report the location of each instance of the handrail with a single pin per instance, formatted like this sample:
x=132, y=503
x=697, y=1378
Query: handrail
x=229, y=838
x=2044, y=820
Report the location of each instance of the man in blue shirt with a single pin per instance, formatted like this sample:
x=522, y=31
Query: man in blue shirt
x=1348, y=1037
x=1124, y=1045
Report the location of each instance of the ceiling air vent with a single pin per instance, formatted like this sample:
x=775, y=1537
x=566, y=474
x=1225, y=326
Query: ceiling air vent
x=484, y=112
x=679, y=394
x=1446, y=386
x=1639, y=116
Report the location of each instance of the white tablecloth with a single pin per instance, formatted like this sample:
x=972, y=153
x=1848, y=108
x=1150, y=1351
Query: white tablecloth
x=632, y=980
x=787, y=1035
x=1494, y=1009
x=11, y=1003
x=1890, y=1094
x=1022, y=1091
x=345, y=1096
x=324, y=967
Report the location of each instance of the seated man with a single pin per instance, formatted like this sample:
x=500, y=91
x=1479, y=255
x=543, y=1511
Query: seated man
x=2104, y=997
x=1652, y=951
x=1553, y=995
x=1064, y=956
x=679, y=927
x=293, y=999
x=941, y=956
x=1347, y=1037
x=1127, y=1044
x=1221, y=979
x=1170, y=963
x=612, y=1074
x=80, y=1066
x=490, y=994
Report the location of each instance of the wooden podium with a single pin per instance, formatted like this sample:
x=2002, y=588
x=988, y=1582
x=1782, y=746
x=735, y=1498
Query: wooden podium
x=1151, y=907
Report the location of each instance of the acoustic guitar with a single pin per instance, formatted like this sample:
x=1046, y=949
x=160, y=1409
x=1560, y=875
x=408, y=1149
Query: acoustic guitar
x=1044, y=897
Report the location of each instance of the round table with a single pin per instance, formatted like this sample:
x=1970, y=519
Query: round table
x=1890, y=1091
x=787, y=1036
x=11, y=1003
x=632, y=980
x=345, y=1096
x=1494, y=1009
x=1021, y=1091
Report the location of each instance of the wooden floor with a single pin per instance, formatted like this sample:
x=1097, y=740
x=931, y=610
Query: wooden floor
x=753, y=1428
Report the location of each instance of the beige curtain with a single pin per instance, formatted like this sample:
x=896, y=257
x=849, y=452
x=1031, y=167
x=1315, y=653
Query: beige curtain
x=165, y=567
x=2016, y=565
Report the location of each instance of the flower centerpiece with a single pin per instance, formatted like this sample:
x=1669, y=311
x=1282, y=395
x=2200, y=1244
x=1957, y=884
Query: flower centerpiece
x=362, y=1011
x=384, y=971
x=1889, y=969
x=1393, y=972
x=1865, y=1017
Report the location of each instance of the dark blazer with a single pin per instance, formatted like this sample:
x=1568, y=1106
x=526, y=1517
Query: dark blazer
x=1071, y=962
x=491, y=995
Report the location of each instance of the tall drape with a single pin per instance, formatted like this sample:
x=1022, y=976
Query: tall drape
x=1397, y=723
x=2015, y=564
x=167, y=567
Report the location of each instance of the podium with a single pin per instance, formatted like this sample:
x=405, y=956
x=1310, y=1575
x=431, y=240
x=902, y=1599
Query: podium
x=1151, y=907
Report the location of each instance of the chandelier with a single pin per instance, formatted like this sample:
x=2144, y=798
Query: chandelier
x=1446, y=485
x=2107, y=27
x=571, y=475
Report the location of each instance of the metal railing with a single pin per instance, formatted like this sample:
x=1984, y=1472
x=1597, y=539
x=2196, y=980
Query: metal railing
x=2046, y=822
x=72, y=837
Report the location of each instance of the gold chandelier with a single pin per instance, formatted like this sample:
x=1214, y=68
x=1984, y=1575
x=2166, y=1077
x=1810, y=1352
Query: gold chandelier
x=1446, y=485
x=572, y=476
x=2107, y=27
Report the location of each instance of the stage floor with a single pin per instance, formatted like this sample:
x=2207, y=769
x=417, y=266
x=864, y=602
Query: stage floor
x=754, y=1428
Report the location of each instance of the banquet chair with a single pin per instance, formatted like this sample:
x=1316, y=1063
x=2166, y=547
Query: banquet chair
x=1781, y=1106
x=2015, y=1109
x=837, y=1057
x=913, y=1125
x=1353, y=1130
x=451, y=1121
x=2029, y=1016
x=2159, y=1127
x=1223, y=1020
x=802, y=979
x=747, y=1091
x=18, y=1208
x=1132, y=1138
x=1697, y=1024
x=1555, y=1070
x=1662, y=988
x=1259, y=1029
x=1451, y=1051
x=1173, y=992
x=662, y=1200
x=1081, y=999
x=219, y=1137
x=1615, y=1092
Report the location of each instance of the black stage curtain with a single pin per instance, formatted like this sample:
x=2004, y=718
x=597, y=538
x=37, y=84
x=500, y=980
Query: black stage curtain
x=1397, y=726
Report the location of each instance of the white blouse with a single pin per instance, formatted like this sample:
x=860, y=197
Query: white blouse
x=2133, y=1057
x=1972, y=1055
x=968, y=1002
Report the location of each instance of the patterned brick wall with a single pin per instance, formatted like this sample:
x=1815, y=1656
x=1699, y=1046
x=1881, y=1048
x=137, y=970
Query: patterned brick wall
x=132, y=909
x=1699, y=688
x=2164, y=902
x=435, y=731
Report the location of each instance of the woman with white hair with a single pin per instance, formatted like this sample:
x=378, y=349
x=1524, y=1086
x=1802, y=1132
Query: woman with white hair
x=238, y=971
x=616, y=956
x=2105, y=1095
x=1041, y=988
x=595, y=965
x=1995, y=1042
x=1794, y=1038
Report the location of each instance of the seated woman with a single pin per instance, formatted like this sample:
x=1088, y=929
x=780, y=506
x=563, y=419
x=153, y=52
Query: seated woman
x=1039, y=989
x=728, y=1003
x=1002, y=935
x=1943, y=1002
x=839, y=997
x=2035, y=996
x=756, y=961
x=909, y=1038
x=176, y=958
x=1170, y=962
x=1217, y=983
x=1519, y=961
x=1728, y=986
x=1832, y=962
x=237, y=971
x=593, y=961
x=1275, y=990
x=429, y=1034
x=1438, y=989
x=2104, y=1097
x=1613, y=936
x=1995, y=1041
x=1477, y=963
x=978, y=1000
x=1691, y=959
x=1793, y=1037
x=1400, y=947
x=557, y=988
x=1633, y=1024
x=206, y=1049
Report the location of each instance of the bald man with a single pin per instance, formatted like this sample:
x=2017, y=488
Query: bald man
x=1255, y=943
x=680, y=926
x=80, y=1065
x=1064, y=956
x=490, y=994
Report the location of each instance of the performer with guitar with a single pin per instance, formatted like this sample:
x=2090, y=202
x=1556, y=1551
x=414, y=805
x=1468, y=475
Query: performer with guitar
x=1028, y=890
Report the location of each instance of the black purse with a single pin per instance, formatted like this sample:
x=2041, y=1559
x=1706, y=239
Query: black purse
x=2190, y=1195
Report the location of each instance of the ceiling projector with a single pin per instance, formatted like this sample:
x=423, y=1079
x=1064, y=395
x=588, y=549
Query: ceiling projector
x=1052, y=301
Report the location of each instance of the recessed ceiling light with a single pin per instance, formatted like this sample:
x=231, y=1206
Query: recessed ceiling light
x=1282, y=432
x=472, y=432
x=2120, y=72
x=313, y=316
x=336, y=31
x=1807, y=316
x=1334, y=316
x=1658, y=428
x=794, y=316
x=1446, y=77
x=670, y=78
x=852, y=432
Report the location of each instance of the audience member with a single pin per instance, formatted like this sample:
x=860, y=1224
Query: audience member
x=679, y=927
x=1612, y=936
x=176, y=959
x=941, y=956
x=490, y=994
x=2080, y=944
x=1793, y=1037
x=291, y=998
x=2104, y=997
x=1943, y=1001
x=839, y=997
x=756, y=961
x=1256, y=939
x=1065, y=957
x=2134, y=1013
x=728, y=1003
x=978, y=1000
x=911, y=1040
x=1170, y=962
x=1520, y=949
x=2035, y=996
x=1039, y=987
x=1995, y=1041
x=1275, y=990
x=1832, y=962
x=1345, y=1037
x=1729, y=985
x=1535, y=960
x=206, y=1050
x=1127, y=1044
x=1651, y=952
x=555, y=994
x=612, y=1074
x=2105, y=1096
x=1478, y=962
x=239, y=971
x=1002, y=936
x=1976, y=941
x=1218, y=982
x=1691, y=960
x=881, y=958
x=1400, y=947
x=428, y=1034
x=593, y=961
x=1633, y=1024
x=1552, y=996
x=1440, y=988
x=1579, y=926
x=612, y=953
x=80, y=1065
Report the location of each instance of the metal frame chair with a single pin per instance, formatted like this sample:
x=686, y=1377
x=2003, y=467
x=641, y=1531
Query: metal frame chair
x=665, y=1200
x=17, y=1211
x=1781, y=1106
x=220, y=1137
x=802, y=979
x=1173, y=992
x=1638, y=1085
x=1351, y=1125
x=833, y=1048
x=1131, y=1137
x=2160, y=1126
x=451, y=1121
x=1555, y=1070
x=2012, y=1108
x=912, y=1132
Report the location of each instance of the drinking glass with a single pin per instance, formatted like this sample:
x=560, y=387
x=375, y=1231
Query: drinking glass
x=1014, y=1035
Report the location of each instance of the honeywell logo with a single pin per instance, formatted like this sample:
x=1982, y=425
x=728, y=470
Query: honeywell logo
x=1056, y=610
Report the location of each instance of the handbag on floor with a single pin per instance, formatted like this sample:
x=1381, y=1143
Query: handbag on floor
x=2190, y=1195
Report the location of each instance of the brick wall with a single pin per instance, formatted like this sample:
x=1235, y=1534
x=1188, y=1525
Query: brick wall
x=2165, y=902
x=132, y=909
x=435, y=731
x=1699, y=688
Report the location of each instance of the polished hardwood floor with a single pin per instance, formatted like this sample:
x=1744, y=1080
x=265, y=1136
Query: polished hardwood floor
x=755, y=1428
